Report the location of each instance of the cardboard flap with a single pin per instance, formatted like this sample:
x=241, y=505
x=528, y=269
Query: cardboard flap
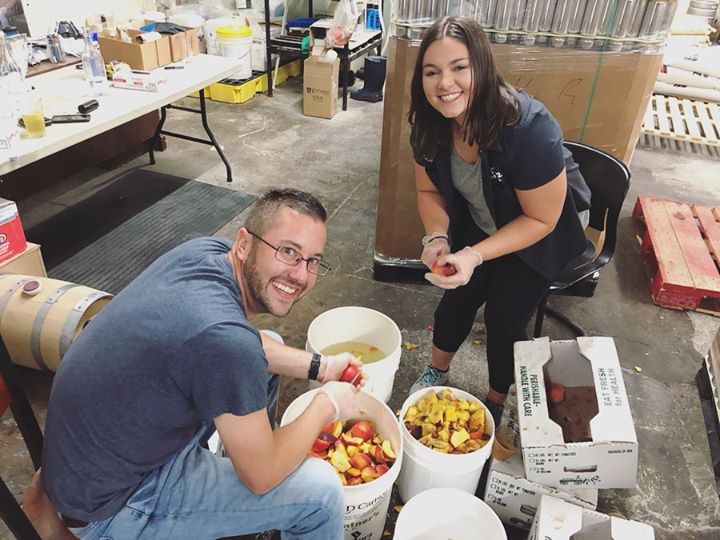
x=558, y=519
x=623, y=529
x=613, y=421
x=535, y=426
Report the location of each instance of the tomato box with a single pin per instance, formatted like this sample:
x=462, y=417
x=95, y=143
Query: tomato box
x=559, y=520
x=515, y=499
x=576, y=429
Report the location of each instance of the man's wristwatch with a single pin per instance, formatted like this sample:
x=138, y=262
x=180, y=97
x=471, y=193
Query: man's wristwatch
x=314, y=367
x=434, y=236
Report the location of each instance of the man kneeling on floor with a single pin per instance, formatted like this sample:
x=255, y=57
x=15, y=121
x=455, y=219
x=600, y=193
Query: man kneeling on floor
x=173, y=357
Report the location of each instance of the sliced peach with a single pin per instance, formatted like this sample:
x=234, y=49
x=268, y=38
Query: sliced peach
x=320, y=445
x=352, y=471
x=363, y=430
x=360, y=461
x=379, y=454
x=388, y=449
x=381, y=469
x=368, y=474
x=354, y=481
x=340, y=461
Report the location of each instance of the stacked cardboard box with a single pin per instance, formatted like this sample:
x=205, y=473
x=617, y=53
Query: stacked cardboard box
x=576, y=433
x=320, y=74
x=146, y=56
x=559, y=520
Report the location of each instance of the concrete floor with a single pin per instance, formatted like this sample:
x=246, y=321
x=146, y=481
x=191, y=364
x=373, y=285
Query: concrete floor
x=270, y=143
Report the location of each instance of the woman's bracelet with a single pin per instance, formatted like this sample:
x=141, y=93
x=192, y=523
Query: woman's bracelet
x=477, y=254
x=434, y=236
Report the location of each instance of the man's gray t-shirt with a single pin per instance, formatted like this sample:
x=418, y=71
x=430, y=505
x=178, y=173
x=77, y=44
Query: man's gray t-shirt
x=173, y=350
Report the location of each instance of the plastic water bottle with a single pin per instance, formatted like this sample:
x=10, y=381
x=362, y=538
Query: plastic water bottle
x=11, y=81
x=94, y=66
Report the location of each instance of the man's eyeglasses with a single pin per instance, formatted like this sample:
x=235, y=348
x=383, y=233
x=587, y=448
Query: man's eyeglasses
x=292, y=257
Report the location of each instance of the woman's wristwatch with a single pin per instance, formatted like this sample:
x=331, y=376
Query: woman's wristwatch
x=433, y=236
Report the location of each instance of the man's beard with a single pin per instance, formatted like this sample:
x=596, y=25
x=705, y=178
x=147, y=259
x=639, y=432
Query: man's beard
x=257, y=290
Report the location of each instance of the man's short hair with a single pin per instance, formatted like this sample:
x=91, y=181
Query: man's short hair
x=265, y=210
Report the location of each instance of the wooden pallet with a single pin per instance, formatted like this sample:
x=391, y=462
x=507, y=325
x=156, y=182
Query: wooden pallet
x=661, y=144
x=683, y=120
x=681, y=244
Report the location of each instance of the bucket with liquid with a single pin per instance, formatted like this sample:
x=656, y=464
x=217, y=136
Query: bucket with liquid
x=369, y=334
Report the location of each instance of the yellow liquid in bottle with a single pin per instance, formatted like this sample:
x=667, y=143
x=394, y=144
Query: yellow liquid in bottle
x=34, y=124
x=363, y=351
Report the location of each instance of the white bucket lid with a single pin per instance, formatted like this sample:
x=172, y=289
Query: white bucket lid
x=233, y=32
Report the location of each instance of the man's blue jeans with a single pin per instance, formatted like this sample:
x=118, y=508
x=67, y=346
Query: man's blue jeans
x=197, y=495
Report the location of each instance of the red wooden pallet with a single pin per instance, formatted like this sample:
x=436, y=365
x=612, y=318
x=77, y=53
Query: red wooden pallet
x=681, y=244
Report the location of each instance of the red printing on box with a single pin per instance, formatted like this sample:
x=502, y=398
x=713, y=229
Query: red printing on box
x=12, y=235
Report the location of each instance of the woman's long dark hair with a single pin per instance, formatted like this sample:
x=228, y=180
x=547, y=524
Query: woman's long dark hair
x=491, y=107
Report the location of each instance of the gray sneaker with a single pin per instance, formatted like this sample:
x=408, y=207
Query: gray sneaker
x=431, y=376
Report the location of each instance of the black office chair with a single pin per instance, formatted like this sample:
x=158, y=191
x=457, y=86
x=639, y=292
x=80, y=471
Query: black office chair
x=13, y=396
x=608, y=180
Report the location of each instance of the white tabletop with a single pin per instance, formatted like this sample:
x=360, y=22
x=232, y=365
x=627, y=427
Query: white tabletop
x=64, y=89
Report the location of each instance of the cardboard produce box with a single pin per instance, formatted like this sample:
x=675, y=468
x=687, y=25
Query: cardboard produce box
x=515, y=499
x=599, y=98
x=596, y=445
x=138, y=54
x=12, y=235
x=28, y=263
x=320, y=87
x=559, y=520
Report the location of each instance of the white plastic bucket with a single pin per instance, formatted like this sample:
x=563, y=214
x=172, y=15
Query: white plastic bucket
x=447, y=513
x=366, y=505
x=236, y=42
x=210, y=32
x=425, y=468
x=354, y=323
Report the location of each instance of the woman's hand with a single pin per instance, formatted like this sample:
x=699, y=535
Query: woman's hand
x=464, y=261
x=436, y=247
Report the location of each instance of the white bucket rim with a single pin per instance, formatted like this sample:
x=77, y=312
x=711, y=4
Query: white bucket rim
x=389, y=477
x=422, y=453
x=329, y=312
x=447, y=493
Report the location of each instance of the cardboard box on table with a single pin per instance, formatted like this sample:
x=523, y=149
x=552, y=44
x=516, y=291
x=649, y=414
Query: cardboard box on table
x=515, y=499
x=598, y=97
x=610, y=458
x=140, y=55
x=320, y=87
x=12, y=234
x=559, y=520
x=28, y=263
x=150, y=55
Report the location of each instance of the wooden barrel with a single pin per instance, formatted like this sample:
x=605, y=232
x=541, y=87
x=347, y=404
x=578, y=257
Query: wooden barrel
x=39, y=324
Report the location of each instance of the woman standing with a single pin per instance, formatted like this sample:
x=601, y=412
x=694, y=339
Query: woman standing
x=498, y=196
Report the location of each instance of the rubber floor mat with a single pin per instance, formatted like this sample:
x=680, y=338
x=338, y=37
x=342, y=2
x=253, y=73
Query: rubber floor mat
x=108, y=239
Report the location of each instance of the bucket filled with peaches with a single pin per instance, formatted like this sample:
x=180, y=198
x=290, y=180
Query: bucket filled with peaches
x=366, y=452
x=448, y=436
